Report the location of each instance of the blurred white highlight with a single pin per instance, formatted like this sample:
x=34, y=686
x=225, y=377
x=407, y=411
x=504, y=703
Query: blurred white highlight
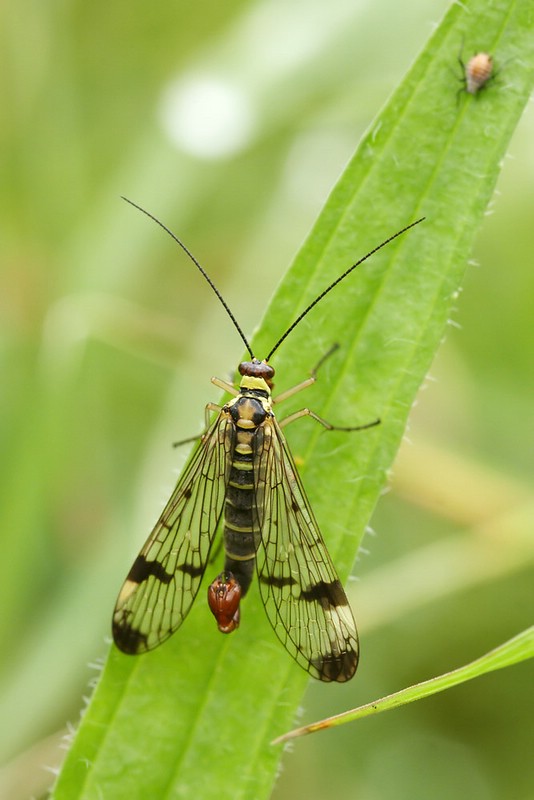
x=207, y=116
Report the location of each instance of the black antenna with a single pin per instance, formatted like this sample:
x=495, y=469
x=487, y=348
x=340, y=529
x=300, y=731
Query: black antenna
x=335, y=283
x=202, y=270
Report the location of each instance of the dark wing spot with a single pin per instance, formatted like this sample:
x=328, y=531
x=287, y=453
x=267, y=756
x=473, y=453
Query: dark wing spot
x=326, y=594
x=340, y=667
x=143, y=569
x=191, y=569
x=278, y=582
x=128, y=639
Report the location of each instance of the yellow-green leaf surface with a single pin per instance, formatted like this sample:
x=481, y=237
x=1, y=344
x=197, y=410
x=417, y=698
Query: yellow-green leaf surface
x=196, y=717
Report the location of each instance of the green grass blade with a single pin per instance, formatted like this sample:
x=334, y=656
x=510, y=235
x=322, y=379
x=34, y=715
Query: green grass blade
x=520, y=648
x=198, y=714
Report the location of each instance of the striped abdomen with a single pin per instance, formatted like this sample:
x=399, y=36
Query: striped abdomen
x=240, y=539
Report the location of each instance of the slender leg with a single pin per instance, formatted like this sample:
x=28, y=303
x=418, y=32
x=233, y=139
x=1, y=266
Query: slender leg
x=210, y=408
x=225, y=386
x=309, y=381
x=306, y=412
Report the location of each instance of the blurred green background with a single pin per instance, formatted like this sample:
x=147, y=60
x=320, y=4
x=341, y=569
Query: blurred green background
x=231, y=122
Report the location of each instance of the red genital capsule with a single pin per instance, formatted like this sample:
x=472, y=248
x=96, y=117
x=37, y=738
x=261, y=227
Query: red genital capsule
x=224, y=595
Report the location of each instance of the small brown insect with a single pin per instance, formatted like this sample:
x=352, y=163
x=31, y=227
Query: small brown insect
x=476, y=73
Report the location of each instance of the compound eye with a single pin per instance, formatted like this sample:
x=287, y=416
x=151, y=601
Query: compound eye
x=257, y=369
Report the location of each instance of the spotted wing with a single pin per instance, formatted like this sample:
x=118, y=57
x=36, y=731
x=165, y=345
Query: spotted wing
x=302, y=594
x=166, y=575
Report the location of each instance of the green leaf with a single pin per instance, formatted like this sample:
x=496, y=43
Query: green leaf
x=199, y=714
x=520, y=648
